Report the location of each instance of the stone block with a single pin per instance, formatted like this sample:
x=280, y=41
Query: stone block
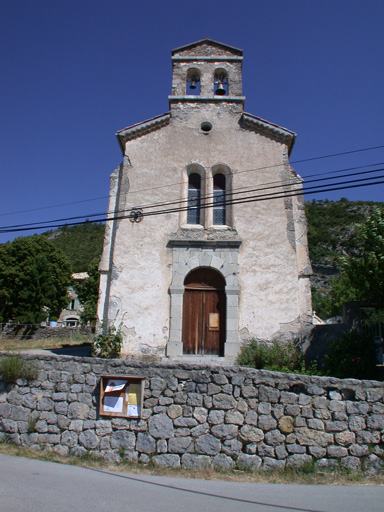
x=345, y=438
x=266, y=422
x=223, y=401
x=268, y=394
x=336, y=426
x=234, y=417
x=251, y=434
x=123, y=439
x=77, y=410
x=263, y=450
x=264, y=408
x=274, y=437
x=225, y=432
x=145, y=443
x=9, y=426
x=251, y=418
x=180, y=445
x=315, y=424
x=296, y=448
x=335, y=451
x=166, y=460
x=317, y=451
x=76, y=425
x=375, y=422
x=309, y=437
x=270, y=464
x=89, y=439
x=286, y=424
x=297, y=460
x=359, y=450
x=200, y=414
x=192, y=461
x=207, y=445
x=222, y=461
x=216, y=417
x=161, y=426
x=249, y=462
x=288, y=398
x=69, y=439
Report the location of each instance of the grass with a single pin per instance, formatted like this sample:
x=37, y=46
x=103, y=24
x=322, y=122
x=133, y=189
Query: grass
x=49, y=343
x=13, y=367
x=288, y=476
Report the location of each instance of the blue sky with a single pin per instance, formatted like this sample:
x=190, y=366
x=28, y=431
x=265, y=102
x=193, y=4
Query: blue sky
x=75, y=72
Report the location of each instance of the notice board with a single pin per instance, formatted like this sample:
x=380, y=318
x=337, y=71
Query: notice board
x=121, y=396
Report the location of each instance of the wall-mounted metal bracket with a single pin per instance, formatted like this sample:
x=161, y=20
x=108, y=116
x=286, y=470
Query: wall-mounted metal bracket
x=136, y=215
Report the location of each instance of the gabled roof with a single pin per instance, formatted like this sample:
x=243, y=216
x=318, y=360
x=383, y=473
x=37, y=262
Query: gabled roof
x=210, y=42
x=273, y=130
x=258, y=124
x=139, y=129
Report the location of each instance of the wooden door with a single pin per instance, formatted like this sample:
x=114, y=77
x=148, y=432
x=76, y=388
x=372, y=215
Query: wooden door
x=204, y=314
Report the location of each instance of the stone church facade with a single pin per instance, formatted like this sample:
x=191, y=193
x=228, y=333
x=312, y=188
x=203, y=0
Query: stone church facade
x=206, y=243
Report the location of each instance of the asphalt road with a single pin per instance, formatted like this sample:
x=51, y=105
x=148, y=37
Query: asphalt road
x=35, y=486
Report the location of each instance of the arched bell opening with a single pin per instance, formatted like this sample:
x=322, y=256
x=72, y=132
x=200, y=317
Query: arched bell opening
x=220, y=84
x=204, y=312
x=193, y=82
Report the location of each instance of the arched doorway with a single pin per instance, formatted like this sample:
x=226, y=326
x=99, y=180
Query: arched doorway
x=204, y=312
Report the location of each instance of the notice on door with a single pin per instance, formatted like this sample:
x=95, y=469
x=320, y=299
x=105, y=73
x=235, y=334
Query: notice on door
x=213, y=321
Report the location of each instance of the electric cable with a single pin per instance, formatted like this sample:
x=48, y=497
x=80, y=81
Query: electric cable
x=333, y=155
x=262, y=197
x=202, y=198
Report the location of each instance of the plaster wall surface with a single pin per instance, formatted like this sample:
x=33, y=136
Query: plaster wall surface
x=156, y=173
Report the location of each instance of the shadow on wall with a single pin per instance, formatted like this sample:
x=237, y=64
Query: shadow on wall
x=319, y=341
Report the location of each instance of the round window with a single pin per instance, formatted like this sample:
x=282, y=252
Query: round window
x=206, y=126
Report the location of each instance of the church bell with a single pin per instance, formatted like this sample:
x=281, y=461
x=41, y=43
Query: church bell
x=220, y=91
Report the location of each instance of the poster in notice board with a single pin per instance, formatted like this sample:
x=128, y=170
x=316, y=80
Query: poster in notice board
x=121, y=396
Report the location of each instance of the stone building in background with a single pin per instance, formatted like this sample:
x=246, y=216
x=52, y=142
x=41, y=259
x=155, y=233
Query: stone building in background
x=206, y=246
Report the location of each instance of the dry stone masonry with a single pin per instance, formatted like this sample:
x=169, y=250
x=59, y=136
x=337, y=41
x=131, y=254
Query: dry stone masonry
x=198, y=415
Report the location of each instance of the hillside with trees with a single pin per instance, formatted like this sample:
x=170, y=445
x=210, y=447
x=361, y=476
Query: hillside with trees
x=81, y=244
x=339, y=241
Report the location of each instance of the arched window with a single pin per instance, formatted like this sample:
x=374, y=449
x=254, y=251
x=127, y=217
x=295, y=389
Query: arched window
x=194, y=198
x=193, y=82
x=220, y=86
x=219, y=205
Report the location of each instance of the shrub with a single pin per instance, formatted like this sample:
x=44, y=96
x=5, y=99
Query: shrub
x=13, y=367
x=275, y=357
x=108, y=345
x=353, y=355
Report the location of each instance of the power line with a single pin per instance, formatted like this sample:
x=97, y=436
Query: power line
x=207, y=197
x=263, y=197
x=321, y=157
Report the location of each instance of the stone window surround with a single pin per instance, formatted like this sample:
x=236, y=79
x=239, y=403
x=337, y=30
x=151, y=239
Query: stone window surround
x=188, y=255
x=206, y=214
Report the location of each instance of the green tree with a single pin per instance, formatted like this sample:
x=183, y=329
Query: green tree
x=88, y=292
x=362, y=277
x=34, y=275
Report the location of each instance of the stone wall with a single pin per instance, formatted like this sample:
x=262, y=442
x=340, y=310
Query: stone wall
x=198, y=415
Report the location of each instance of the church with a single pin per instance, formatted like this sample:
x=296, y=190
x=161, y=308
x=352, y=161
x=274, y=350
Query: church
x=206, y=240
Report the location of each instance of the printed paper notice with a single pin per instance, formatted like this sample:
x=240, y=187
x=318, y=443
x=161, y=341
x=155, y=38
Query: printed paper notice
x=133, y=410
x=115, y=385
x=113, y=404
x=134, y=394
